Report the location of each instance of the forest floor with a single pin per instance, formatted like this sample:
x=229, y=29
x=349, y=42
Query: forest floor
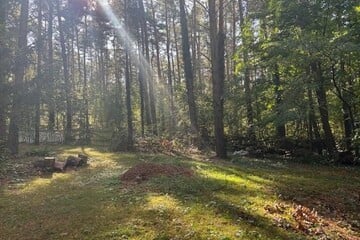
x=176, y=197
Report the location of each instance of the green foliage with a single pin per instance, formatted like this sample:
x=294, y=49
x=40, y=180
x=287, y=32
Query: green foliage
x=3, y=150
x=291, y=35
x=119, y=142
x=356, y=139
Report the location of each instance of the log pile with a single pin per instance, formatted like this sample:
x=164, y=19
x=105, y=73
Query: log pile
x=50, y=164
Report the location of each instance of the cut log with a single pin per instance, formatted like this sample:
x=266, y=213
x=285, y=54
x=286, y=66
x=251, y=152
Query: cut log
x=84, y=159
x=73, y=161
x=46, y=164
x=59, y=166
x=49, y=162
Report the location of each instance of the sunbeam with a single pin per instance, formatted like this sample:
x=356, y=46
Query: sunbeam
x=128, y=41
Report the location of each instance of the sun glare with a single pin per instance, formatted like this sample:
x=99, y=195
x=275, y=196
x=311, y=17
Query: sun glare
x=127, y=40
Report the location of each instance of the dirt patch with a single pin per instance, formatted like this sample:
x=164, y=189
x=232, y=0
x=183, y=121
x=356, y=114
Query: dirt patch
x=145, y=171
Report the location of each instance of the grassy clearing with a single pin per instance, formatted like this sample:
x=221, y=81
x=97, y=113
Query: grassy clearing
x=225, y=200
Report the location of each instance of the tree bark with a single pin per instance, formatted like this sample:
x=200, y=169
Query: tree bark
x=314, y=133
x=85, y=87
x=177, y=52
x=217, y=40
x=50, y=67
x=147, y=74
x=68, y=125
x=130, y=128
x=143, y=81
x=169, y=73
x=129, y=113
x=39, y=75
x=247, y=87
x=323, y=109
x=346, y=99
x=189, y=77
x=3, y=69
x=19, y=72
x=280, y=126
x=160, y=79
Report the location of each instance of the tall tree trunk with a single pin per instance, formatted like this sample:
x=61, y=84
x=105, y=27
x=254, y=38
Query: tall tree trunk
x=323, y=109
x=314, y=133
x=129, y=113
x=102, y=86
x=119, y=103
x=313, y=129
x=3, y=70
x=280, y=126
x=159, y=75
x=189, y=77
x=147, y=74
x=144, y=99
x=68, y=124
x=157, y=41
x=50, y=67
x=198, y=68
x=142, y=73
x=39, y=75
x=169, y=72
x=82, y=132
x=130, y=128
x=348, y=125
x=19, y=72
x=193, y=33
x=177, y=52
x=247, y=88
x=85, y=86
x=344, y=94
x=217, y=40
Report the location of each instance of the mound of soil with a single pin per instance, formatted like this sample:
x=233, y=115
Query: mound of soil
x=145, y=171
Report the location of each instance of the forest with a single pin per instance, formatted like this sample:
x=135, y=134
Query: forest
x=243, y=112
x=223, y=75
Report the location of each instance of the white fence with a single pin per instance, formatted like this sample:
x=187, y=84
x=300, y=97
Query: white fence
x=45, y=137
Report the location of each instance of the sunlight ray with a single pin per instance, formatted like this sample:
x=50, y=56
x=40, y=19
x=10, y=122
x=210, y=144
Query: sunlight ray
x=127, y=40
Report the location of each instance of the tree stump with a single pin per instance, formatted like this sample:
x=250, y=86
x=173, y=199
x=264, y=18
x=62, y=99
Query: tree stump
x=46, y=164
x=49, y=162
x=59, y=166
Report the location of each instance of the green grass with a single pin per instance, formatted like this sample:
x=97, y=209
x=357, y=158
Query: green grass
x=224, y=200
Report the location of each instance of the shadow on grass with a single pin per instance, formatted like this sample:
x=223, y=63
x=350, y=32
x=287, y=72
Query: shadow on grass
x=224, y=201
x=204, y=194
x=332, y=191
x=87, y=204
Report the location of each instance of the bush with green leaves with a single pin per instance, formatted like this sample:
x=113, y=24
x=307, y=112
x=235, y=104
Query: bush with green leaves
x=3, y=150
x=39, y=152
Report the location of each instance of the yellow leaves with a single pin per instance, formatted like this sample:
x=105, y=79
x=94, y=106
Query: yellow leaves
x=357, y=9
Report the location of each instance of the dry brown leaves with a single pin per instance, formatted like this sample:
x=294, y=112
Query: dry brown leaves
x=307, y=220
x=277, y=208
